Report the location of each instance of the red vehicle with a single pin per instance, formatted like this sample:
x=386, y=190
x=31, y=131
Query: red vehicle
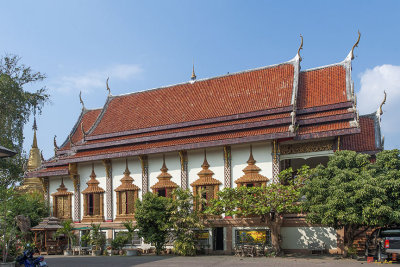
x=383, y=243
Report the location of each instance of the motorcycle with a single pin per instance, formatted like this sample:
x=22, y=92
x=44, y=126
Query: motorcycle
x=28, y=260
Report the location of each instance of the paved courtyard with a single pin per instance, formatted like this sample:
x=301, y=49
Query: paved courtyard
x=199, y=261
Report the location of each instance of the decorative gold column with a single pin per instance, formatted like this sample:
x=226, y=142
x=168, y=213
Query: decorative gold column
x=227, y=167
x=184, y=169
x=145, y=173
x=45, y=186
x=73, y=174
x=109, y=194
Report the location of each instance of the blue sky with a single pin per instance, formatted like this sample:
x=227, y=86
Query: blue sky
x=147, y=44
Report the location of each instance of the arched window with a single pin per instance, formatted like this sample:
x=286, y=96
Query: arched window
x=93, y=204
x=164, y=186
x=251, y=177
x=206, y=187
x=62, y=202
x=127, y=194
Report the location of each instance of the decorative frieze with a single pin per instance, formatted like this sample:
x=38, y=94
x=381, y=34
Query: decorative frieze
x=227, y=167
x=275, y=161
x=306, y=147
x=109, y=194
x=73, y=172
x=145, y=173
x=184, y=169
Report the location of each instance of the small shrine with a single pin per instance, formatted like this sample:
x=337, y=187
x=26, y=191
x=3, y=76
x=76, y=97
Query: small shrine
x=45, y=239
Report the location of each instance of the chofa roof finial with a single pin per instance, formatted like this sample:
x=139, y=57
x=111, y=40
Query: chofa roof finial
x=108, y=88
x=379, y=112
x=350, y=56
x=80, y=100
x=300, y=48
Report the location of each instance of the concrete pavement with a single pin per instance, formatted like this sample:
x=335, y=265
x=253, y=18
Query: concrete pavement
x=199, y=261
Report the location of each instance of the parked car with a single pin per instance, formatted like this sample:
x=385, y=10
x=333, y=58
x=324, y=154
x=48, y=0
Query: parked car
x=382, y=243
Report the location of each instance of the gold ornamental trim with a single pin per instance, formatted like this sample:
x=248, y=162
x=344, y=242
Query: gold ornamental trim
x=306, y=147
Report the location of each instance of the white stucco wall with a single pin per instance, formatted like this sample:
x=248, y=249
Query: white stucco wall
x=84, y=170
x=215, y=158
x=54, y=183
x=173, y=164
x=300, y=237
x=261, y=153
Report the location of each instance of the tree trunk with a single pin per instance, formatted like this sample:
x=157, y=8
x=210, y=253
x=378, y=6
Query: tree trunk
x=274, y=223
x=349, y=232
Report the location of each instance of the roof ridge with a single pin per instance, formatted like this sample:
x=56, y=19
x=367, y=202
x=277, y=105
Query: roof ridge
x=291, y=61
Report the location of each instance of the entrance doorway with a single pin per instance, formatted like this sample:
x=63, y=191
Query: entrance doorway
x=218, y=238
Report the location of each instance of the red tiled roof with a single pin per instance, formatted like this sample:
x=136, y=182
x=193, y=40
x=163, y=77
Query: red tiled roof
x=364, y=141
x=322, y=86
x=88, y=119
x=188, y=140
x=324, y=127
x=244, y=92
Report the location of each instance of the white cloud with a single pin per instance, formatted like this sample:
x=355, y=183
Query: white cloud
x=94, y=79
x=373, y=83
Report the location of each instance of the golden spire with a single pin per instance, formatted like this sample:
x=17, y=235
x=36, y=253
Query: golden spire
x=35, y=160
x=34, y=128
x=193, y=74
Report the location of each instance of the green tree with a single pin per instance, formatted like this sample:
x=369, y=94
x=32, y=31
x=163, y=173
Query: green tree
x=68, y=231
x=269, y=202
x=152, y=216
x=130, y=233
x=8, y=228
x=29, y=205
x=16, y=105
x=184, y=220
x=353, y=194
x=97, y=238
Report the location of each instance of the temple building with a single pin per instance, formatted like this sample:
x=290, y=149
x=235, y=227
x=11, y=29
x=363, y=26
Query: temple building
x=239, y=129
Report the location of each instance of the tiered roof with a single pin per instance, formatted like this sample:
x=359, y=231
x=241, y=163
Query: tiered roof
x=268, y=103
x=251, y=172
x=127, y=181
x=93, y=184
x=62, y=190
x=164, y=178
x=205, y=175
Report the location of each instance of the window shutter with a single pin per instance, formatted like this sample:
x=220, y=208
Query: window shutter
x=131, y=202
x=96, y=204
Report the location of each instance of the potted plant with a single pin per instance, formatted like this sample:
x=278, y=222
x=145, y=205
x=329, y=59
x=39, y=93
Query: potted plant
x=118, y=243
x=97, y=240
x=130, y=235
x=68, y=231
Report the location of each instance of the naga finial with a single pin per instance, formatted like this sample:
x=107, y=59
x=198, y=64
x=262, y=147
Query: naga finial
x=383, y=102
x=108, y=88
x=55, y=142
x=300, y=48
x=354, y=46
x=83, y=132
x=80, y=100
x=70, y=140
